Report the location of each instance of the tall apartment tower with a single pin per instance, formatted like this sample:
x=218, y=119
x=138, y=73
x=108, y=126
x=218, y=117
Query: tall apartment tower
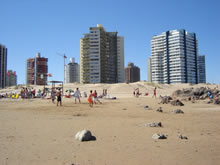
x=11, y=78
x=37, y=70
x=101, y=56
x=120, y=59
x=149, y=71
x=132, y=73
x=72, y=73
x=3, y=66
x=174, y=57
x=201, y=69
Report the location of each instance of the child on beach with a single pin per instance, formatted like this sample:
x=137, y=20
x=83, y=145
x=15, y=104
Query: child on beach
x=90, y=99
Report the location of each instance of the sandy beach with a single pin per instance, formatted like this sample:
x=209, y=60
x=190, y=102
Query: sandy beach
x=37, y=132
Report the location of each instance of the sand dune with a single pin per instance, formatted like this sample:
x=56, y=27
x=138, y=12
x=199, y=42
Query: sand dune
x=36, y=132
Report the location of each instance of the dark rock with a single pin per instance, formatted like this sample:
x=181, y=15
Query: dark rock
x=177, y=103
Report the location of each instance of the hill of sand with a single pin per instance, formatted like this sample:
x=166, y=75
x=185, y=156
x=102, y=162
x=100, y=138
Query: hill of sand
x=37, y=132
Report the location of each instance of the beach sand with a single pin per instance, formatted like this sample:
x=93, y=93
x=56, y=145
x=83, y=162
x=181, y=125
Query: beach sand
x=37, y=132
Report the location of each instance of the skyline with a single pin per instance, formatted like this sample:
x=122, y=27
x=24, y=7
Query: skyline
x=52, y=27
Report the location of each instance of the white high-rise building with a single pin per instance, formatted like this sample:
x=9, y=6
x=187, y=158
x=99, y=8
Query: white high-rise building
x=174, y=57
x=201, y=69
x=101, y=57
x=72, y=71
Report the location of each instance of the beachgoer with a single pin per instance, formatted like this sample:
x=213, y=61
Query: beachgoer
x=90, y=99
x=59, y=99
x=77, y=95
x=134, y=93
x=155, y=92
x=95, y=98
x=53, y=95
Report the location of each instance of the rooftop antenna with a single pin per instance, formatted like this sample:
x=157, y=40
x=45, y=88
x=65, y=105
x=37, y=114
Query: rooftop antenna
x=64, y=57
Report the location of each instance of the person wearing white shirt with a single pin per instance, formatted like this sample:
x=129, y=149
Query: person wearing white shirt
x=77, y=95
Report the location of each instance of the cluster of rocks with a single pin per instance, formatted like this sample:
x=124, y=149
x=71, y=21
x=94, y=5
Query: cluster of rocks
x=201, y=93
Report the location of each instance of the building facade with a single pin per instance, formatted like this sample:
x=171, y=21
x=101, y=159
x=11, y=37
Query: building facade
x=149, y=71
x=201, y=69
x=11, y=78
x=132, y=73
x=72, y=72
x=3, y=66
x=120, y=59
x=37, y=70
x=101, y=56
x=174, y=57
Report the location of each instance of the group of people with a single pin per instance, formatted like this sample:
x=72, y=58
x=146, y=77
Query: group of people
x=92, y=99
x=137, y=93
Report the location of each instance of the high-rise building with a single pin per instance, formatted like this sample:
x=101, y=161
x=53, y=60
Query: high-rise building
x=3, y=66
x=174, y=57
x=11, y=78
x=30, y=71
x=72, y=73
x=101, y=56
x=201, y=69
x=132, y=73
x=37, y=70
x=149, y=71
x=120, y=59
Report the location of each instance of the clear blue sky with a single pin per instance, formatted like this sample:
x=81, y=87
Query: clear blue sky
x=51, y=26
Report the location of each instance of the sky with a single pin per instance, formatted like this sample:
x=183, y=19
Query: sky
x=56, y=26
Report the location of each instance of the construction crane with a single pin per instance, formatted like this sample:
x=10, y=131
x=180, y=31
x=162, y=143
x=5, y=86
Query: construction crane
x=64, y=57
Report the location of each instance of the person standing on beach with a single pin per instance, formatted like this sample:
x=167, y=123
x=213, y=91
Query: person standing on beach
x=77, y=95
x=90, y=99
x=95, y=97
x=59, y=99
x=53, y=95
x=155, y=92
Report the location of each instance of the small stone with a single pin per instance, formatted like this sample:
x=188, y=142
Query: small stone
x=178, y=111
x=159, y=136
x=154, y=124
x=183, y=137
x=147, y=107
